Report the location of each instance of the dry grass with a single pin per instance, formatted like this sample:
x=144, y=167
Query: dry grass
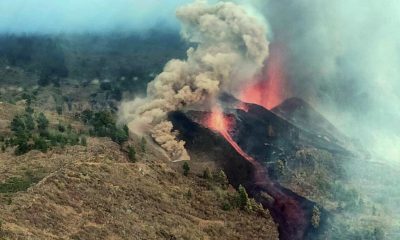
x=94, y=192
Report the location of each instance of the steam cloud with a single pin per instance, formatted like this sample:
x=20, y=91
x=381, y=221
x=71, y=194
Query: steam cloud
x=230, y=45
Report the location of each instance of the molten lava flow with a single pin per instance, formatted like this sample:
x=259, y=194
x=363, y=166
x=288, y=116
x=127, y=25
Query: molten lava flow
x=292, y=217
x=218, y=122
x=268, y=90
x=290, y=211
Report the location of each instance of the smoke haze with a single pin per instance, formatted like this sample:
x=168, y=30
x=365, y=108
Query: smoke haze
x=344, y=57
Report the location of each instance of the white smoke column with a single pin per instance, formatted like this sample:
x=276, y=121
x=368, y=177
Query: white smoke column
x=230, y=46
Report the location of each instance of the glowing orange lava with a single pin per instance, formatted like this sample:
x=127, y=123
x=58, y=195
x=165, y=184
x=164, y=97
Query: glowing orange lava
x=268, y=90
x=220, y=123
x=288, y=209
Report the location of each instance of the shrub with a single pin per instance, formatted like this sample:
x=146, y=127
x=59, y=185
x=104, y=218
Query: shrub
x=42, y=122
x=280, y=165
x=189, y=194
x=126, y=129
x=222, y=179
x=18, y=124
x=86, y=116
x=41, y=144
x=227, y=206
x=22, y=145
x=143, y=144
x=316, y=217
x=118, y=135
x=72, y=138
x=20, y=183
x=131, y=154
x=29, y=110
x=61, y=127
x=59, y=109
x=186, y=168
x=83, y=141
x=207, y=174
x=15, y=184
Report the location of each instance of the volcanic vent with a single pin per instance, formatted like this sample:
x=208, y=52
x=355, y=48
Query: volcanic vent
x=242, y=138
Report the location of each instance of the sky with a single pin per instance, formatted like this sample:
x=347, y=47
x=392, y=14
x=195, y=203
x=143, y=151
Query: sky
x=61, y=16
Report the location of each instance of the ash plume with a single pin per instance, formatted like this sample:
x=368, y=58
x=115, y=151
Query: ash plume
x=229, y=46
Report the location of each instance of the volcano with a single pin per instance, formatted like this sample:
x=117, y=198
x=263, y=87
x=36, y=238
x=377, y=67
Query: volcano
x=243, y=138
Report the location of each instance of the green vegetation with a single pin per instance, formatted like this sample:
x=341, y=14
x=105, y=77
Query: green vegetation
x=207, y=173
x=1, y=229
x=103, y=124
x=280, y=165
x=221, y=178
x=218, y=182
x=186, y=168
x=316, y=217
x=131, y=153
x=40, y=144
x=18, y=184
x=243, y=198
x=59, y=109
x=83, y=141
x=42, y=122
x=142, y=144
x=14, y=184
x=27, y=135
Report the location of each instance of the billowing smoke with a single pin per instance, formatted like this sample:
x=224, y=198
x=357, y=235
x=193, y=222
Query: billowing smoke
x=229, y=46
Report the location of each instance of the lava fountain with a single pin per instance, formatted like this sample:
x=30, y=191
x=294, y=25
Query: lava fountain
x=268, y=89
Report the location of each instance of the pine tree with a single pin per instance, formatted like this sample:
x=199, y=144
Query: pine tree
x=223, y=179
x=143, y=144
x=126, y=129
x=243, y=198
x=131, y=154
x=18, y=124
x=29, y=122
x=42, y=122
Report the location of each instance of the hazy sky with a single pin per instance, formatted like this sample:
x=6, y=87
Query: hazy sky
x=54, y=16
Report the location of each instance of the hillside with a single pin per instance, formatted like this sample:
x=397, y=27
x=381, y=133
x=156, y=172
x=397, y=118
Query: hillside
x=95, y=192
